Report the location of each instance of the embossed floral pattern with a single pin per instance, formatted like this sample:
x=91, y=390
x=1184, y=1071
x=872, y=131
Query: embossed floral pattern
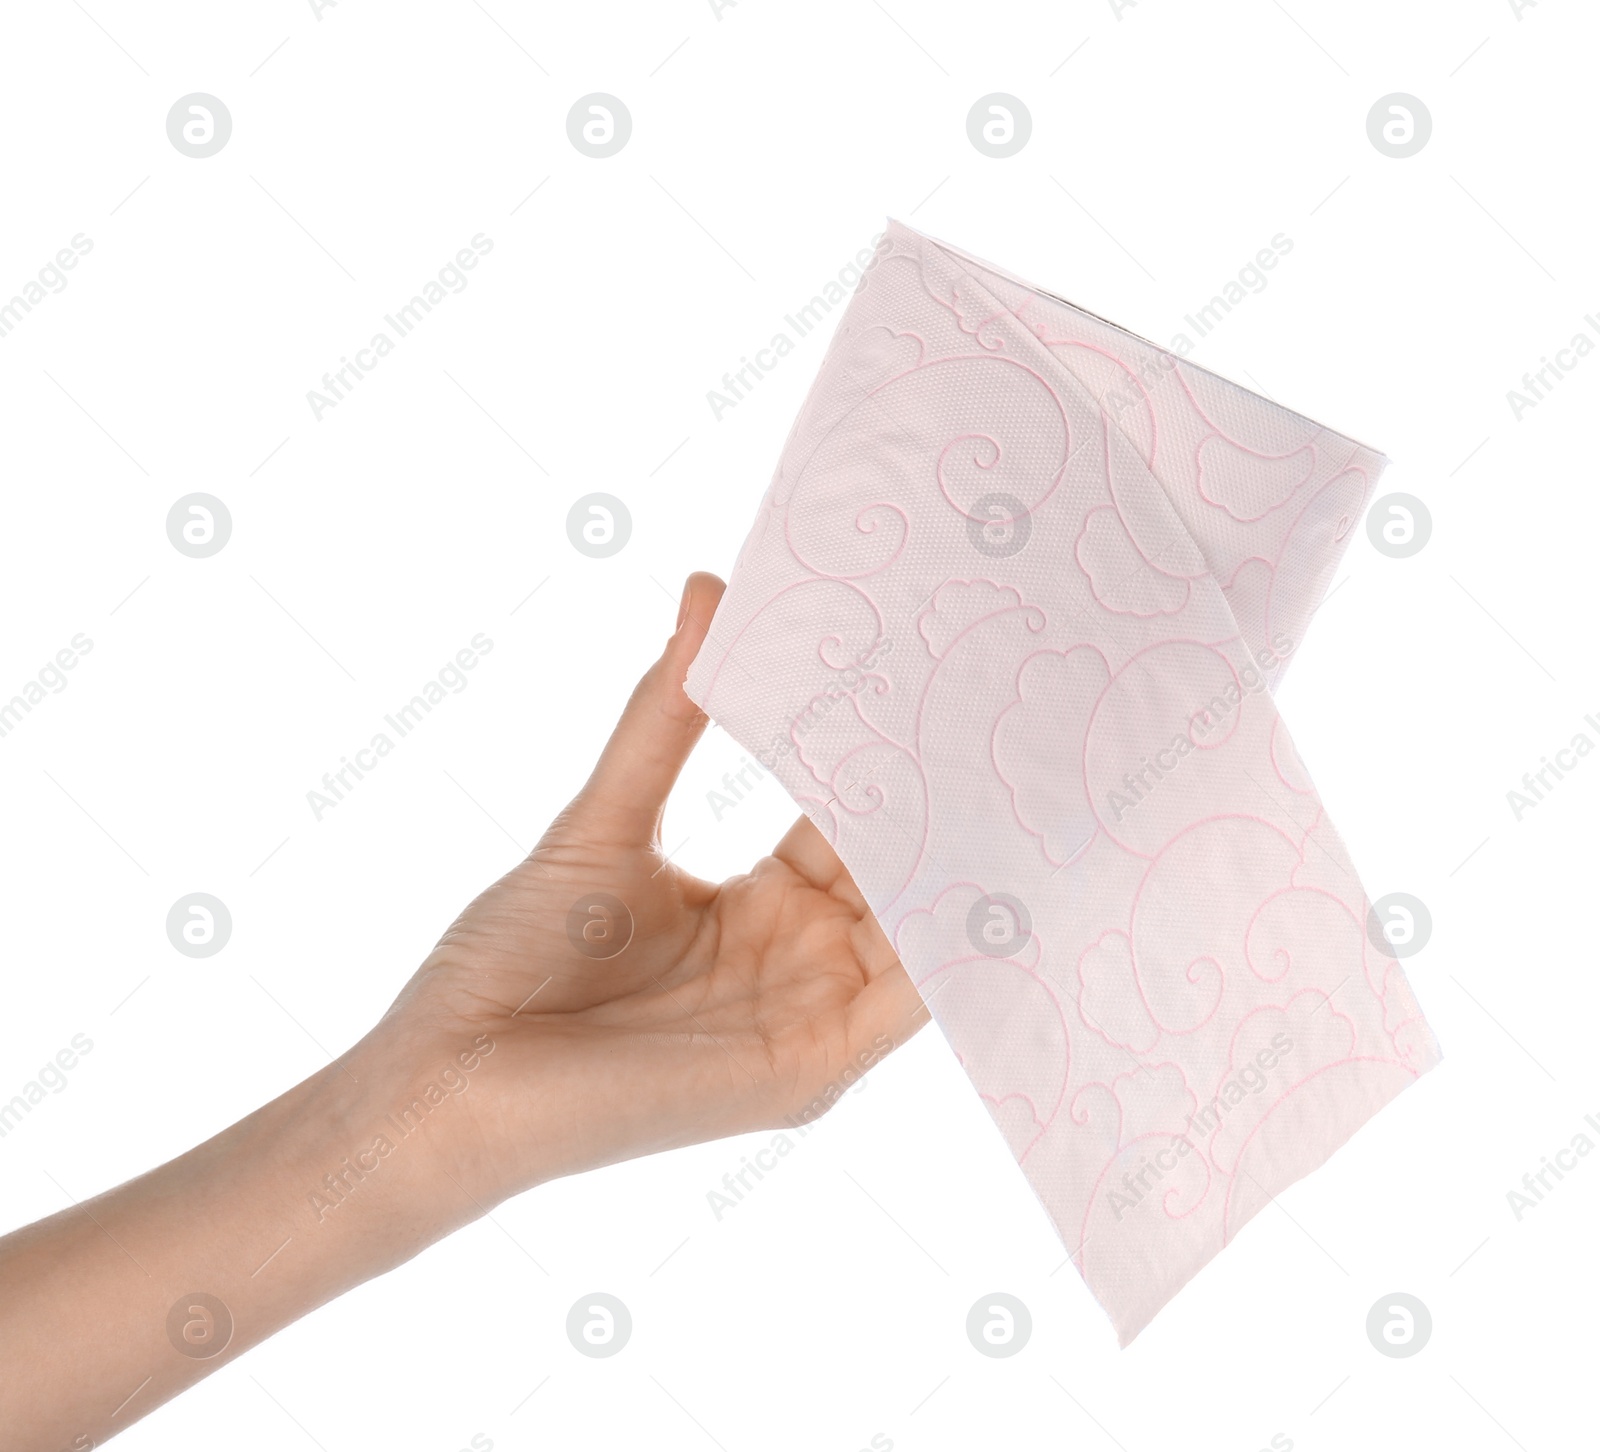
x=1083, y=721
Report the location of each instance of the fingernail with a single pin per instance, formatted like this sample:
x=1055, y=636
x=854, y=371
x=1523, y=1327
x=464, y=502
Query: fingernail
x=683, y=609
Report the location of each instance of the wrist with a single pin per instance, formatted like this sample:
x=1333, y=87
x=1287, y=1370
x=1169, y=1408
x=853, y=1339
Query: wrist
x=394, y=1148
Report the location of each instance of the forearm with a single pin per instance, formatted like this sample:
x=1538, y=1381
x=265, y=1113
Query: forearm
x=147, y=1288
x=522, y=1049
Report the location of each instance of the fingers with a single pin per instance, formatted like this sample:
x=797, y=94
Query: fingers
x=889, y=1009
x=886, y=1013
x=627, y=790
x=805, y=850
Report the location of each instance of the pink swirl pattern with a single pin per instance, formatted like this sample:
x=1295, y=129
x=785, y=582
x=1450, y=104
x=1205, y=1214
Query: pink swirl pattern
x=1010, y=621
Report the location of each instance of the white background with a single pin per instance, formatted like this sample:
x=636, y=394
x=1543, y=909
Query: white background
x=372, y=143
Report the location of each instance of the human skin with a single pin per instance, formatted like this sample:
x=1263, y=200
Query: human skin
x=731, y=1008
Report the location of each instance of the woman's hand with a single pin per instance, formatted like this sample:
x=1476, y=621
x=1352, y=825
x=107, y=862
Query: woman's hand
x=632, y=1006
x=596, y=1003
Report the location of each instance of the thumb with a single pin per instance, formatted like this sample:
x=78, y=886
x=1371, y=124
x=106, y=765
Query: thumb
x=625, y=794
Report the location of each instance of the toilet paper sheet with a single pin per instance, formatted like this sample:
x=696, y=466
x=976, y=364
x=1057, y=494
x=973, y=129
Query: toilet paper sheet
x=1007, y=626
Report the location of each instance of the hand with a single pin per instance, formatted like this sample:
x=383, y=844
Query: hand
x=697, y=1010
x=721, y=1009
